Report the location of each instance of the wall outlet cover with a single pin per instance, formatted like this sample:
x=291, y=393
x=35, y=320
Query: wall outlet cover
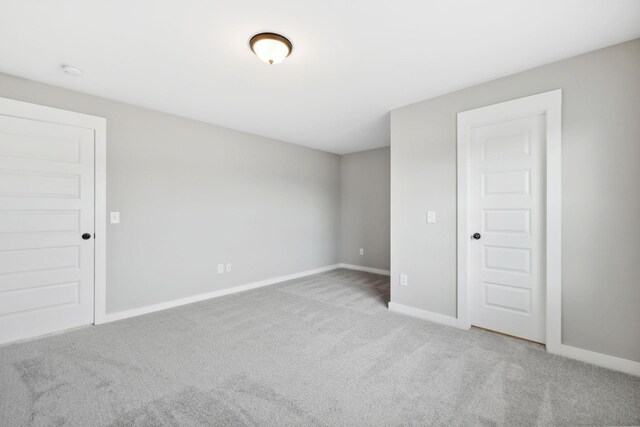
x=220, y=268
x=361, y=251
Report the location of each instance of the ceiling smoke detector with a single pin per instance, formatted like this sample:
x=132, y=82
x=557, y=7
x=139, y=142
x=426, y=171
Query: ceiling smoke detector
x=71, y=70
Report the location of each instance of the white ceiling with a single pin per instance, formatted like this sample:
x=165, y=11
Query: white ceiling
x=353, y=60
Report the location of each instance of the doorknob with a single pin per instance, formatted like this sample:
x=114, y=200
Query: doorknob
x=476, y=236
x=86, y=236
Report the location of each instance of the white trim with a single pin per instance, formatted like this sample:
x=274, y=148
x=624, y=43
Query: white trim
x=100, y=256
x=600, y=359
x=443, y=319
x=462, y=165
x=20, y=109
x=554, y=219
x=111, y=317
x=549, y=104
x=367, y=269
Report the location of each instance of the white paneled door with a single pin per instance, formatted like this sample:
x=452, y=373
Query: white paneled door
x=46, y=227
x=506, y=286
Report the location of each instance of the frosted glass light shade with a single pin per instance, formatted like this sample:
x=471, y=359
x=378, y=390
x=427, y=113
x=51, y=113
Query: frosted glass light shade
x=270, y=47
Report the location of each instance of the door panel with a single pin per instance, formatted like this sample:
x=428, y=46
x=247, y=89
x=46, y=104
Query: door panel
x=507, y=259
x=516, y=221
x=46, y=204
x=506, y=270
x=29, y=221
x=510, y=182
x=510, y=298
x=30, y=184
x=41, y=297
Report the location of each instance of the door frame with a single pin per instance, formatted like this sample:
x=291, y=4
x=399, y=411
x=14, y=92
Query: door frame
x=549, y=104
x=26, y=110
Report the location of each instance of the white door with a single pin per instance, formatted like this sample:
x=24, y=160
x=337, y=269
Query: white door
x=46, y=205
x=506, y=282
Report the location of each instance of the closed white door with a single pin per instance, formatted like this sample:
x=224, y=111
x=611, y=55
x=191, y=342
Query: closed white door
x=506, y=222
x=46, y=206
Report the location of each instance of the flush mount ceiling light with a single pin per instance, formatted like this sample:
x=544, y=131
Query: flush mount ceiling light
x=71, y=70
x=270, y=47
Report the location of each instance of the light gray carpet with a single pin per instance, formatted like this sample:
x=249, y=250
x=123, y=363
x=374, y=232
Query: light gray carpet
x=322, y=350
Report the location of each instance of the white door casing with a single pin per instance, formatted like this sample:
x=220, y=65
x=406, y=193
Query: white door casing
x=51, y=193
x=509, y=192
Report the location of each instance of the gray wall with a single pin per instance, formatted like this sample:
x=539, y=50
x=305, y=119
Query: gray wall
x=365, y=208
x=600, y=195
x=192, y=195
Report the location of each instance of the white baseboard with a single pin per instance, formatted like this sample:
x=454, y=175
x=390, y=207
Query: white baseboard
x=587, y=356
x=424, y=314
x=111, y=317
x=367, y=269
x=599, y=359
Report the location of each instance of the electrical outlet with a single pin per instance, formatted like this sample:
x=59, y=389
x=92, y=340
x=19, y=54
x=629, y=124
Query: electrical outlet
x=431, y=217
x=220, y=268
x=228, y=266
x=361, y=251
x=404, y=281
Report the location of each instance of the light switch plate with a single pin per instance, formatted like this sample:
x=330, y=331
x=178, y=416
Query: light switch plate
x=404, y=280
x=114, y=217
x=361, y=251
x=431, y=217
